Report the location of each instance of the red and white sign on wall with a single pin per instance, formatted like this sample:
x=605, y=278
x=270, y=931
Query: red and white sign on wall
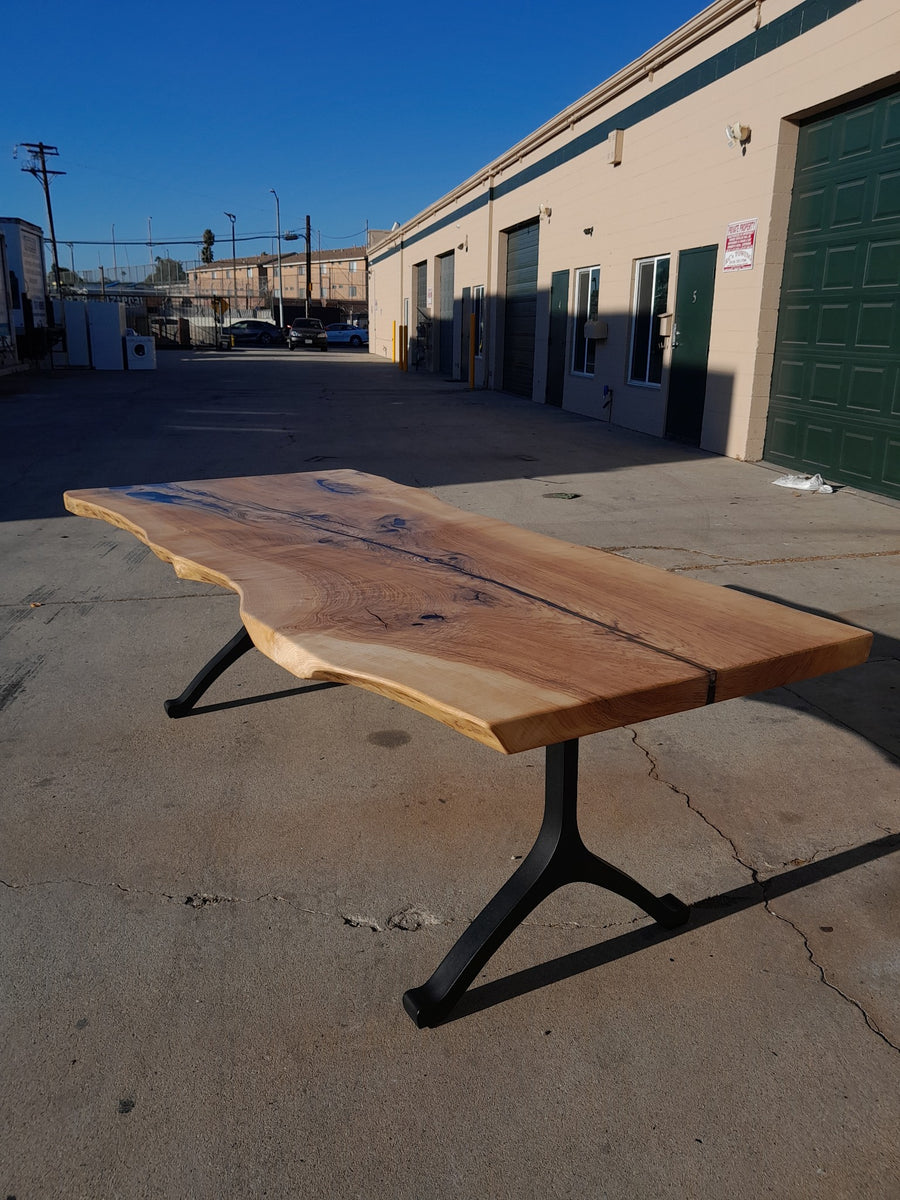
x=740, y=242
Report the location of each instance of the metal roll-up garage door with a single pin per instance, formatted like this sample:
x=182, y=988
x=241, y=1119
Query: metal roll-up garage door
x=520, y=309
x=835, y=399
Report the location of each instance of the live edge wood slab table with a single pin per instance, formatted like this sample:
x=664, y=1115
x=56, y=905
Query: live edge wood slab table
x=512, y=638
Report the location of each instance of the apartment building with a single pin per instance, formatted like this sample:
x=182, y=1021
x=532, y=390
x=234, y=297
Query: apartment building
x=704, y=248
x=337, y=279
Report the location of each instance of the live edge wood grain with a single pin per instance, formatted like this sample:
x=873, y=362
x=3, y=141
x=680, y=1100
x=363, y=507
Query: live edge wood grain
x=515, y=639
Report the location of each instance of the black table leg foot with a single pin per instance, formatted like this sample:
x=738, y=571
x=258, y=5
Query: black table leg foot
x=217, y=665
x=677, y=912
x=559, y=856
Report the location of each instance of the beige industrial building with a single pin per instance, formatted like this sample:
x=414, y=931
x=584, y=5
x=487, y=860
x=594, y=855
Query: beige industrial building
x=705, y=248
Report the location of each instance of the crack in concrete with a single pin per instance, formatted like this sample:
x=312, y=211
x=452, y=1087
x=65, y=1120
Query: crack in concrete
x=194, y=899
x=824, y=978
x=725, y=561
x=774, y=562
x=830, y=716
x=94, y=600
x=602, y=926
x=655, y=775
x=761, y=884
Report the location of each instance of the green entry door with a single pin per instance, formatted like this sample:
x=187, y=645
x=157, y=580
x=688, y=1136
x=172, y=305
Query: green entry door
x=835, y=397
x=690, y=343
x=556, y=340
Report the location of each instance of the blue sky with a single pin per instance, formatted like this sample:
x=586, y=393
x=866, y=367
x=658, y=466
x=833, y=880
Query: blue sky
x=181, y=112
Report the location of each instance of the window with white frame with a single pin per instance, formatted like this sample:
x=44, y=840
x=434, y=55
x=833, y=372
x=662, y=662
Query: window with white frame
x=651, y=294
x=478, y=310
x=352, y=292
x=587, y=296
x=351, y=266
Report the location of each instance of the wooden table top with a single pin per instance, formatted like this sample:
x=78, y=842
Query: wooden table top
x=513, y=638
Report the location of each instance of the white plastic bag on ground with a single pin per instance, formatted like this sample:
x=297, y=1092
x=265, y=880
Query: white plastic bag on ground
x=804, y=483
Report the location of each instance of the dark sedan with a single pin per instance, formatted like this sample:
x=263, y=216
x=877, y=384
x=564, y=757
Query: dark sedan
x=251, y=333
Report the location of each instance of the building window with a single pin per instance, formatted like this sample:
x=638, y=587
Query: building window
x=352, y=292
x=212, y=275
x=651, y=293
x=478, y=310
x=587, y=295
x=351, y=266
x=249, y=272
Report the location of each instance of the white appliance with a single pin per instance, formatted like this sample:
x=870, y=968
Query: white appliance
x=77, y=341
x=140, y=353
x=106, y=327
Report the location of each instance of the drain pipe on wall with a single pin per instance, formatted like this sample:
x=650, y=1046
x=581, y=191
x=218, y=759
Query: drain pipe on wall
x=490, y=298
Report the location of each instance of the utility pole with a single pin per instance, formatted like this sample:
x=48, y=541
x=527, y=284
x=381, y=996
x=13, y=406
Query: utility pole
x=39, y=154
x=308, y=266
x=278, y=235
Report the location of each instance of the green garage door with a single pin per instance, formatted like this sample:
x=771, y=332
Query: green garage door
x=520, y=310
x=835, y=399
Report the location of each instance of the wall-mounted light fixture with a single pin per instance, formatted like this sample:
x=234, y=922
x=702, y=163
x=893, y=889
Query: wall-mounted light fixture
x=738, y=133
x=545, y=210
x=589, y=231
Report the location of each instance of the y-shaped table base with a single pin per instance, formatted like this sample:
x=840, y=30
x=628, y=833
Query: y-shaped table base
x=558, y=857
x=217, y=665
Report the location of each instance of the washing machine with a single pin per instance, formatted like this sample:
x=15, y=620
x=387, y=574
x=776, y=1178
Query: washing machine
x=140, y=353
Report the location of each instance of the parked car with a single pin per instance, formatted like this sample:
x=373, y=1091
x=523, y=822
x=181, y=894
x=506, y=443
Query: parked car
x=252, y=333
x=348, y=335
x=307, y=331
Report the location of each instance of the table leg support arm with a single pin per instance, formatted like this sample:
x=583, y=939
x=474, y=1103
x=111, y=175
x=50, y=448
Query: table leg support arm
x=217, y=665
x=559, y=856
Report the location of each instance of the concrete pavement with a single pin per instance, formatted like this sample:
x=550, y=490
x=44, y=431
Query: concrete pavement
x=206, y=925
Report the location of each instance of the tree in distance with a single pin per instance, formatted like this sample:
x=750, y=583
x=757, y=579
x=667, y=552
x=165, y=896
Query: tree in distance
x=167, y=270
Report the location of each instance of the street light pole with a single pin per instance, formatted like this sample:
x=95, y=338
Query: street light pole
x=278, y=235
x=231, y=217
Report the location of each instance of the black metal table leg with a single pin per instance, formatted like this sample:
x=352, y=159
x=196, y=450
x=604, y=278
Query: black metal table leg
x=559, y=856
x=217, y=665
